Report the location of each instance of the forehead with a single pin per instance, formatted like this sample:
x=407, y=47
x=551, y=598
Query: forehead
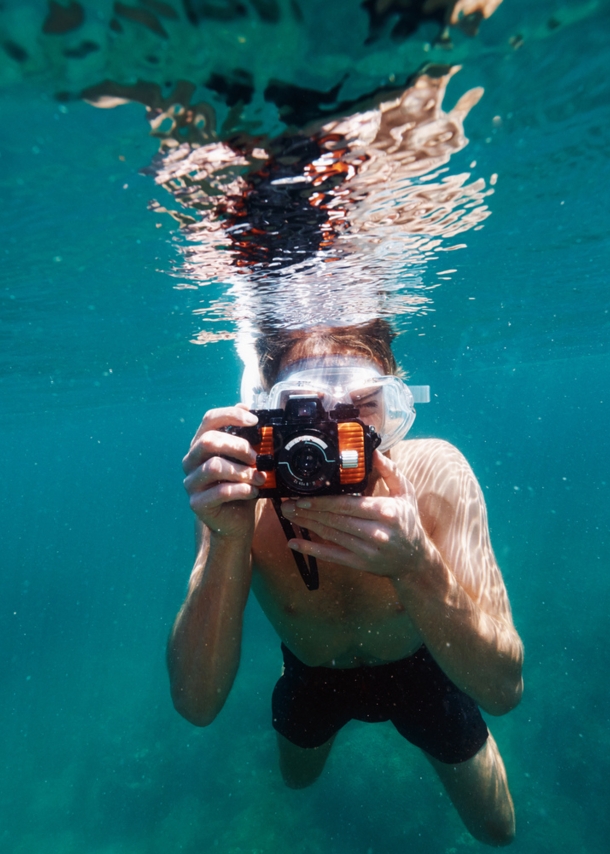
x=316, y=348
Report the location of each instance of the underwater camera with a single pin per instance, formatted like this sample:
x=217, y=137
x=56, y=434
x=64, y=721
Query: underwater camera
x=307, y=451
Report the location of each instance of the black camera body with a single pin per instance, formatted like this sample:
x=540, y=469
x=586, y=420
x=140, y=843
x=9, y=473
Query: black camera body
x=306, y=451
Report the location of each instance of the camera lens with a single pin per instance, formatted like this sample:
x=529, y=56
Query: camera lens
x=307, y=463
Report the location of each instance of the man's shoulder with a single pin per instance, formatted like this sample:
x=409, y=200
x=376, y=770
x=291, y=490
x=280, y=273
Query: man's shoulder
x=433, y=465
x=432, y=451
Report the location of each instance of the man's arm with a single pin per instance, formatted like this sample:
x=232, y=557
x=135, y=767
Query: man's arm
x=453, y=591
x=204, y=646
x=480, y=652
x=457, y=597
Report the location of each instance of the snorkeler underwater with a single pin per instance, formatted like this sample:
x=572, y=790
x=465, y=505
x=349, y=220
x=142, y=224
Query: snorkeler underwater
x=336, y=270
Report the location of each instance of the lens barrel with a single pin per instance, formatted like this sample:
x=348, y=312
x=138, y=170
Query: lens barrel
x=307, y=463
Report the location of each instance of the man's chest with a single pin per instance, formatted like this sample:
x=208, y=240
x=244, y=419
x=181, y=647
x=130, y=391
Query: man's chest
x=352, y=614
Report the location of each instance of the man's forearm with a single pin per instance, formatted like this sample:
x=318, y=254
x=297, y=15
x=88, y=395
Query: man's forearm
x=481, y=654
x=204, y=646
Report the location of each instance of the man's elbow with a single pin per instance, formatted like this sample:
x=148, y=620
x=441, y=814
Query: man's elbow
x=195, y=711
x=508, y=689
x=505, y=700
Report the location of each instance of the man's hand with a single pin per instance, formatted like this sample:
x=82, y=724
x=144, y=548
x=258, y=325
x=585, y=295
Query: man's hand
x=380, y=535
x=220, y=489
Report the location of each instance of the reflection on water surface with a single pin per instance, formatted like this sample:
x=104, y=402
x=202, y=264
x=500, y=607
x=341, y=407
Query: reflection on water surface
x=309, y=176
x=314, y=190
x=336, y=223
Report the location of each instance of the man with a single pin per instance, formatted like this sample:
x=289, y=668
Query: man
x=411, y=622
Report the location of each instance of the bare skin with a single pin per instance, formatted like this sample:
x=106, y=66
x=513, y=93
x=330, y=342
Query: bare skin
x=408, y=563
x=477, y=788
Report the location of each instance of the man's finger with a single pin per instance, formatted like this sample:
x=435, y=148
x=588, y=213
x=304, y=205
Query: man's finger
x=225, y=416
x=331, y=554
x=395, y=480
x=346, y=505
x=222, y=493
x=217, y=470
x=347, y=541
x=362, y=529
x=216, y=444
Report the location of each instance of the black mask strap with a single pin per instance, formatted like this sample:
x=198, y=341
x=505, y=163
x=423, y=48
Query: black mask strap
x=309, y=572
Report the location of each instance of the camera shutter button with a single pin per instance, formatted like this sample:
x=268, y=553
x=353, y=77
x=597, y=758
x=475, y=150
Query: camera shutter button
x=349, y=459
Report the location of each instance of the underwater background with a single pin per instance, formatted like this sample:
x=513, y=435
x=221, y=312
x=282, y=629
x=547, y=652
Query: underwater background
x=101, y=390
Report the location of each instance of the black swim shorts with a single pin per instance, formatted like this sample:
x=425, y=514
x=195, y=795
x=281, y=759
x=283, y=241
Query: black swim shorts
x=311, y=704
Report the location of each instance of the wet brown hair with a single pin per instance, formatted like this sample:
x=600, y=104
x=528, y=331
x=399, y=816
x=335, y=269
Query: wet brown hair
x=372, y=340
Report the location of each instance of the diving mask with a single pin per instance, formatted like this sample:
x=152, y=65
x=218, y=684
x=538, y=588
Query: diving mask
x=384, y=402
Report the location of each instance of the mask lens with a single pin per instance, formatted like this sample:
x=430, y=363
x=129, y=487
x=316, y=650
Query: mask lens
x=370, y=405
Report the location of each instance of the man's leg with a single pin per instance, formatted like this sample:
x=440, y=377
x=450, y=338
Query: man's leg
x=301, y=766
x=478, y=789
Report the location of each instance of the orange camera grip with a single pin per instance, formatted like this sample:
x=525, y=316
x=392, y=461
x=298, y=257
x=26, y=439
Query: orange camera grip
x=351, y=438
x=265, y=446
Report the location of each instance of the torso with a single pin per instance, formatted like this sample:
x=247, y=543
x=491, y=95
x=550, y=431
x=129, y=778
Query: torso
x=354, y=618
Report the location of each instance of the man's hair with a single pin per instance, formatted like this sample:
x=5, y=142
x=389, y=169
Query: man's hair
x=372, y=340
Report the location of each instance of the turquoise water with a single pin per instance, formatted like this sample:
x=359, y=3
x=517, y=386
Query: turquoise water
x=101, y=391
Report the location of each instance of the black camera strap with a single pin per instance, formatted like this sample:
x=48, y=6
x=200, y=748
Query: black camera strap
x=309, y=572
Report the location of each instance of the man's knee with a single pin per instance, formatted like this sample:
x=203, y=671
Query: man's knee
x=297, y=778
x=300, y=767
x=496, y=831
